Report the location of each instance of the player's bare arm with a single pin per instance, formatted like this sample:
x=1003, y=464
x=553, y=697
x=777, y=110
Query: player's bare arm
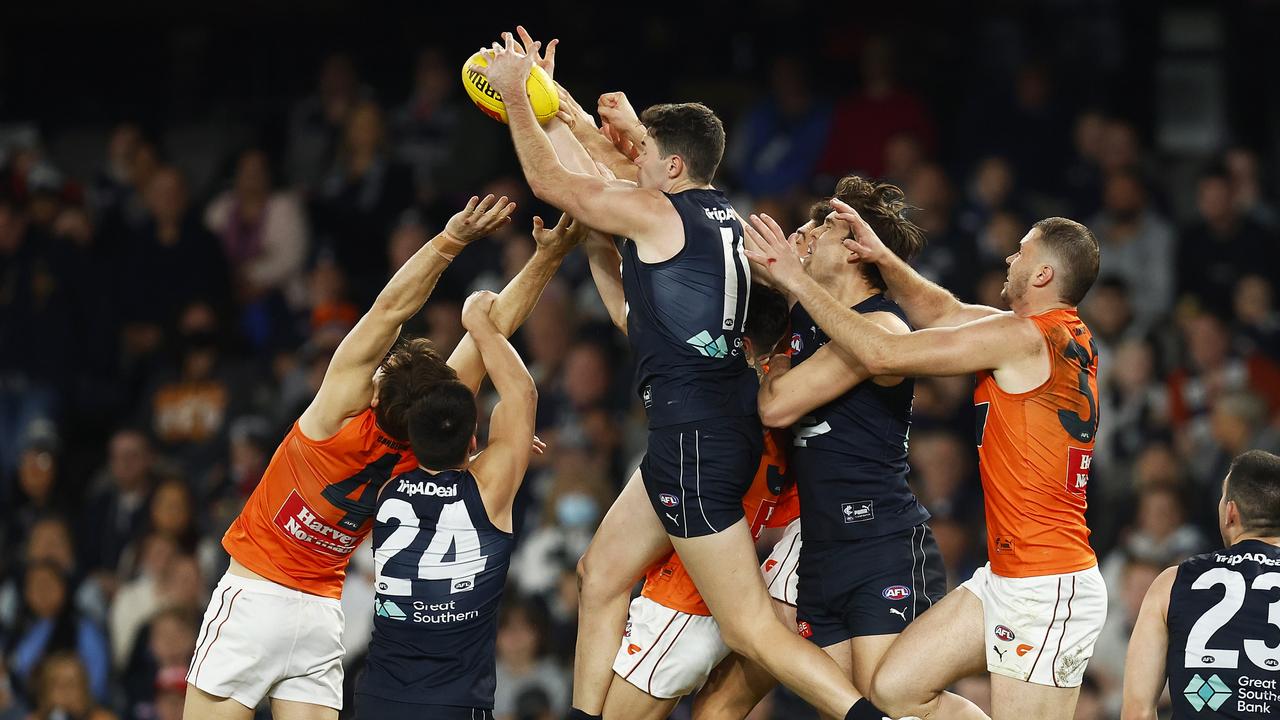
x=927, y=304
x=597, y=143
x=1144, y=670
x=348, y=383
x=1005, y=343
x=788, y=394
x=518, y=298
x=500, y=469
x=611, y=206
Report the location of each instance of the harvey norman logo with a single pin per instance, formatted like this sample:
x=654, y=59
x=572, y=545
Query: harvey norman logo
x=427, y=488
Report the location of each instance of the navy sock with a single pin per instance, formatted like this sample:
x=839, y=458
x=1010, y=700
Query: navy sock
x=864, y=710
x=576, y=714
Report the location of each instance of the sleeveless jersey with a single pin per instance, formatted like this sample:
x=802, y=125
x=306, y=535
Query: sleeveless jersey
x=770, y=502
x=850, y=455
x=1034, y=453
x=685, y=317
x=1224, y=634
x=441, y=567
x=314, y=504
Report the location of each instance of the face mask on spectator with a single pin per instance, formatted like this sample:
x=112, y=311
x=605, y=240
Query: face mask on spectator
x=576, y=510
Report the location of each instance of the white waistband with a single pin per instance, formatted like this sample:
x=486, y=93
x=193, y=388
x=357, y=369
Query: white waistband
x=267, y=587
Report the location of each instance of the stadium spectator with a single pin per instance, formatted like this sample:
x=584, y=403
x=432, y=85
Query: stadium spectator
x=1136, y=244
x=522, y=661
x=264, y=235
x=49, y=624
x=116, y=503
x=780, y=139
x=62, y=688
x=1221, y=245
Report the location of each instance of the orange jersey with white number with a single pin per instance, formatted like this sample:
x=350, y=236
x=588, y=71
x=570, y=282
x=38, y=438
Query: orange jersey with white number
x=314, y=505
x=771, y=502
x=1034, y=453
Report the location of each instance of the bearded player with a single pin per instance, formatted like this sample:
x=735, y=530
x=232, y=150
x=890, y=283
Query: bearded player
x=686, y=286
x=273, y=626
x=1032, y=615
x=1206, y=626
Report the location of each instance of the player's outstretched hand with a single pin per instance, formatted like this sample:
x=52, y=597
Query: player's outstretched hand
x=509, y=66
x=479, y=218
x=773, y=252
x=565, y=236
x=571, y=112
x=547, y=60
x=475, y=312
x=865, y=245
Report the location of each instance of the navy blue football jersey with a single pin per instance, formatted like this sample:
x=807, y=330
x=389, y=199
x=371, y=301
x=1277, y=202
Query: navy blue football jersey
x=685, y=317
x=850, y=455
x=1224, y=634
x=441, y=568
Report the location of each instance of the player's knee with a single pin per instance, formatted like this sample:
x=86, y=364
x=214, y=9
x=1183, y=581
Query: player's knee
x=893, y=691
x=596, y=582
x=740, y=638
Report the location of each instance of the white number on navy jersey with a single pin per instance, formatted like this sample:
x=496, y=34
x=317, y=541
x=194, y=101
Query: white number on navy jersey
x=1263, y=656
x=809, y=427
x=454, y=530
x=1198, y=654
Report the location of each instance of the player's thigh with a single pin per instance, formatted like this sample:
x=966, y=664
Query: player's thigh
x=294, y=710
x=867, y=652
x=724, y=568
x=737, y=684
x=949, y=636
x=628, y=702
x=1018, y=700
x=200, y=704
x=628, y=541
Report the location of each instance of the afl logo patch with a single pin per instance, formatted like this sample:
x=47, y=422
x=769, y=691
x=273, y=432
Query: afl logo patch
x=896, y=592
x=668, y=499
x=1004, y=633
x=797, y=343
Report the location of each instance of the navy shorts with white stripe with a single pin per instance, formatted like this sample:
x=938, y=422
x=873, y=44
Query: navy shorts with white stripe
x=873, y=586
x=695, y=474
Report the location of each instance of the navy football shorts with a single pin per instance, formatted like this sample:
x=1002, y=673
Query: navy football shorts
x=696, y=474
x=875, y=586
x=372, y=707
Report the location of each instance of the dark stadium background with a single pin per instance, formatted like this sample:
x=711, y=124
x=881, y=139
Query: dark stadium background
x=140, y=398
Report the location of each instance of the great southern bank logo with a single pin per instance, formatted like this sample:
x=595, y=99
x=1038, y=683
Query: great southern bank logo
x=715, y=348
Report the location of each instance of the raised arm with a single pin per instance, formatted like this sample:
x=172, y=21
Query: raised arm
x=500, y=468
x=1144, y=669
x=788, y=394
x=997, y=342
x=612, y=206
x=927, y=304
x=348, y=383
x=518, y=298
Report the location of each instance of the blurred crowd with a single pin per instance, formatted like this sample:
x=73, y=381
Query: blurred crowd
x=161, y=327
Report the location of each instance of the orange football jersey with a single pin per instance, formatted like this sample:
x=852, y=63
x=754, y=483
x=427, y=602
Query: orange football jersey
x=314, y=505
x=1034, y=453
x=771, y=501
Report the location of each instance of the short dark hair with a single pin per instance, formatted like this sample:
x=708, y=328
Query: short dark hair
x=1077, y=248
x=690, y=130
x=411, y=366
x=442, y=421
x=1253, y=484
x=884, y=207
x=767, y=318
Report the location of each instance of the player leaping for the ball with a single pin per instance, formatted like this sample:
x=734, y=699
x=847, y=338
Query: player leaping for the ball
x=273, y=627
x=1032, y=615
x=686, y=283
